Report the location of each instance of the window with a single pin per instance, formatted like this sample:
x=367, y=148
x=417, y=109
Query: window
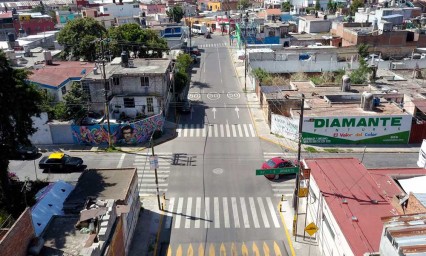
x=105, y=9
x=116, y=81
x=150, y=104
x=129, y=102
x=64, y=90
x=327, y=224
x=271, y=32
x=144, y=81
x=135, y=6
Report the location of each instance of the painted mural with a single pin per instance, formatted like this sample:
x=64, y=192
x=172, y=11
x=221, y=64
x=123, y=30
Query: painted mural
x=121, y=134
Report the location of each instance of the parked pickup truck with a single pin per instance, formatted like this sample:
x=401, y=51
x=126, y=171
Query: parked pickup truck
x=60, y=161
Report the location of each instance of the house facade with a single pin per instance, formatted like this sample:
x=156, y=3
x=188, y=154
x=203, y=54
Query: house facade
x=139, y=88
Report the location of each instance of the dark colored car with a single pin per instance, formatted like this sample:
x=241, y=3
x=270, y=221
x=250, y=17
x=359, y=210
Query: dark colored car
x=60, y=161
x=194, y=50
x=276, y=162
x=25, y=152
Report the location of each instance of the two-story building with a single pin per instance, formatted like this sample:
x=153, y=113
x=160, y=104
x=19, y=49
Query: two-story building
x=135, y=87
x=6, y=25
x=33, y=23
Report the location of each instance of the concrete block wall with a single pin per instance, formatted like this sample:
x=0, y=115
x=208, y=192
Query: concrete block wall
x=19, y=236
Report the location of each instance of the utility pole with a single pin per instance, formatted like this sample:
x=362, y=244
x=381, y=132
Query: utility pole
x=245, y=52
x=299, y=149
x=155, y=172
x=105, y=93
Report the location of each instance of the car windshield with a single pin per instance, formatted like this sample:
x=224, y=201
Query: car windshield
x=271, y=163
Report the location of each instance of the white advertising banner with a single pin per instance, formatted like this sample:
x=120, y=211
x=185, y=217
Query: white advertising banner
x=286, y=127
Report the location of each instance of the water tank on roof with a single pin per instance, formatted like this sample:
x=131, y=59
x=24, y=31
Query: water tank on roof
x=47, y=57
x=124, y=59
x=367, y=101
x=346, y=83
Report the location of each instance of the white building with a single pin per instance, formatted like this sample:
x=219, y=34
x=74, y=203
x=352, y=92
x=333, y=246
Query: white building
x=120, y=10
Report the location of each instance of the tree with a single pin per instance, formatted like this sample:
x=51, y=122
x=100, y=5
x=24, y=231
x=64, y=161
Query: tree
x=175, y=14
x=332, y=6
x=355, y=5
x=317, y=5
x=75, y=102
x=79, y=37
x=183, y=61
x=363, y=50
x=131, y=37
x=243, y=4
x=18, y=102
x=39, y=8
x=286, y=6
x=181, y=80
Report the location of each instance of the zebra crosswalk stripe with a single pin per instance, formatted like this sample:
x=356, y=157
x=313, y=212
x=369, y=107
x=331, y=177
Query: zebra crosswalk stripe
x=226, y=213
x=271, y=209
x=246, y=130
x=179, y=209
x=179, y=130
x=263, y=212
x=210, y=131
x=169, y=213
x=188, y=212
x=253, y=134
x=235, y=212
x=216, y=213
x=207, y=212
x=215, y=131
x=191, y=131
x=234, y=132
x=244, y=211
x=197, y=131
x=240, y=132
x=254, y=213
x=222, y=132
x=228, y=132
x=197, y=212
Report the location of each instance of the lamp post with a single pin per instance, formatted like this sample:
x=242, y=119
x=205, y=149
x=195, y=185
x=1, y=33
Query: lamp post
x=245, y=52
x=105, y=92
x=155, y=171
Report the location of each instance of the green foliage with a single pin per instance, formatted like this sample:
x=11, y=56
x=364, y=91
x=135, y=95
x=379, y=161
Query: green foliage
x=260, y=74
x=60, y=111
x=47, y=103
x=243, y=4
x=309, y=9
x=18, y=103
x=183, y=62
x=300, y=76
x=181, y=80
x=39, y=8
x=355, y=5
x=131, y=37
x=311, y=150
x=360, y=75
x=363, y=50
x=332, y=6
x=79, y=36
x=317, y=5
x=175, y=14
x=286, y=6
x=328, y=77
x=75, y=102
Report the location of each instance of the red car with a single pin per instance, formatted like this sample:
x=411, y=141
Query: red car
x=276, y=162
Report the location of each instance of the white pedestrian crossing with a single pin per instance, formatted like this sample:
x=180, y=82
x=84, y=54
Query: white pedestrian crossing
x=221, y=212
x=284, y=188
x=146, y=176
x=216, y=130
x=212, y=45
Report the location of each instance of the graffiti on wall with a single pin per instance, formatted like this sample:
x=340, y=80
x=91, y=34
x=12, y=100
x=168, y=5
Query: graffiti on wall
x=121, y=134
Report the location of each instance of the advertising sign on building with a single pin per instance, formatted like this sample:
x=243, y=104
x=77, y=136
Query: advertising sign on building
x=392, y=129
x=286, y=127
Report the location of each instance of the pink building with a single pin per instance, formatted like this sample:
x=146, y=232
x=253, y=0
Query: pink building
x=153, y=8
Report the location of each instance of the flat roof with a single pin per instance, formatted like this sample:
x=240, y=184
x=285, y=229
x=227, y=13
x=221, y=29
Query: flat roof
x=101, y=184
x=347, y=178
x=319, y=105
x=62, y=238
x=140, y=66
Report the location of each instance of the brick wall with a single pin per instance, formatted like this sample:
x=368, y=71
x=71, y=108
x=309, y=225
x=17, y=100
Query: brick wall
x=16, y=241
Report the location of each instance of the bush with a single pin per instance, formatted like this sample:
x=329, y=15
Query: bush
x=300, y=76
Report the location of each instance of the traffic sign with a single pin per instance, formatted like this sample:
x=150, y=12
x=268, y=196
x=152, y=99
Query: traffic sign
x=285, y=170
x=311, y=229
x=153, y=162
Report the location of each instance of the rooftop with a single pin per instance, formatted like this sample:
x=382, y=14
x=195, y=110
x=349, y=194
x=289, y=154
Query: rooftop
x=101, y=184
x=62, y=238
x=140, y=67
x=273, y=12
x=333, y=101
x=59, y=73
x=347, y=178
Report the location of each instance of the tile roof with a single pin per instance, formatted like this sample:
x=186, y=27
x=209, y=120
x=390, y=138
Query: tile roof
x=273, y=11
x=339, y=178
x=58, y=73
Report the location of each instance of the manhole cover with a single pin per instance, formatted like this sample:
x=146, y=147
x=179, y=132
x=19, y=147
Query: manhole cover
x=218, y=171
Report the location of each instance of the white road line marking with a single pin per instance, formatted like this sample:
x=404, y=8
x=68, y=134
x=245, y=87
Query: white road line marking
x=191, y=131
x=154, y=185
x=210, y=130
x=286, y=195
x=204, y=131
x=234, y=132
x=235, y=212
x=179, y=130
x=253, y=133
x=197, y=212
x=178, y=214
x=197, y=131
x=215, y=131
x=185, y=130
x=254, y=213
x=273, y=213
x=226, y=212
x=228, y=131
x=222, y=131
x=263, y=212
x=216, y=213
x=188, y=213
x=246, y=130
x=244, y=212
x=120, y=163
x=170, y=213
x=152, y=190
x=207, y=212
x=240, y=131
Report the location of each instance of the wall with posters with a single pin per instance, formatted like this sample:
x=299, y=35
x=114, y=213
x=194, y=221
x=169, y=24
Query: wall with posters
x=391, y=129
x=121, y=134
x=286, y=127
